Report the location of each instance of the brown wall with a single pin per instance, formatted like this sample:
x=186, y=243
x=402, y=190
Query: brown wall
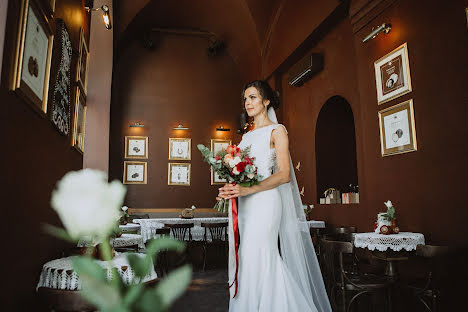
x=35, y=157
x=425, y=186
x=175, y=83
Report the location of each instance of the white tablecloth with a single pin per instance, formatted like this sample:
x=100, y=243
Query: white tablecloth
x=124, y=240
x=396, y=242
x=149, y=226
x=59, y=273
x=129, y=227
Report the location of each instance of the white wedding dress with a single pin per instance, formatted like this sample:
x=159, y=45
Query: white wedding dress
x=265, y=281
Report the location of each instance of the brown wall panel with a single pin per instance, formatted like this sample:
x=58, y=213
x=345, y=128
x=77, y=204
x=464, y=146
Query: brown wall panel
x=35, y=156
x=175, y=83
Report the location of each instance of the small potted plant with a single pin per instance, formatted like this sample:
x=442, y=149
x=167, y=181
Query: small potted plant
x=124, y=215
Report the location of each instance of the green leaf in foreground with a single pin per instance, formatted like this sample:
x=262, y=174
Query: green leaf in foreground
x=173, y=286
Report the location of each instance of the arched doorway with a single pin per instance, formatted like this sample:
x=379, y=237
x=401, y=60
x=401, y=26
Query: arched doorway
x=335, y=147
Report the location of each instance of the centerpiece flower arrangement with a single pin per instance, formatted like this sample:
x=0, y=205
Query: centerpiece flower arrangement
x=89, y=206
x=386, y=221
x=124, y=215
x=232, y=164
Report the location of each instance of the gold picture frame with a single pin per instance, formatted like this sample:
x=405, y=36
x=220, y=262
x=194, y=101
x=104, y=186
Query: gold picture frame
x=397, y=129
x=216, y=146
x=31, y=69
x=392, y=75
x=135, y=172
x=79, y=120
x=178, y=174
x=136, y=147
x=83, y=60
x=180, y=149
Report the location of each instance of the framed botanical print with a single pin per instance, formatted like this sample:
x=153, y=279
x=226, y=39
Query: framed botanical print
x=397, y=129
x=216, y=146
x=178, y=174
x=392, y=75
x=134, y=172
x=79, y=120
x=136, y=147
x=82, y=70
x=31, y=70
x=179, y=149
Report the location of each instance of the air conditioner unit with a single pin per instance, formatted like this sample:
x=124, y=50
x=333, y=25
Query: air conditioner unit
x=305, y=69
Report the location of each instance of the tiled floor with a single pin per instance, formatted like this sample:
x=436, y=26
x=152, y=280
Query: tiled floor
x=207, y=292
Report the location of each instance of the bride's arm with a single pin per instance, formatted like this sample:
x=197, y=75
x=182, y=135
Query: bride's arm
x=281, y=143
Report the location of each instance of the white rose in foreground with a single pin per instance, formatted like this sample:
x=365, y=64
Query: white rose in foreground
x=234, y=162
x=87, y=204
x=235, y=171
x=250, y=175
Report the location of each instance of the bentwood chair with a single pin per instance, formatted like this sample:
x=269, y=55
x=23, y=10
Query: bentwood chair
x=61, y=300
x=345, y=288
x=161, y=263
x=181, y=232
x=427, y=290
x=218, y=234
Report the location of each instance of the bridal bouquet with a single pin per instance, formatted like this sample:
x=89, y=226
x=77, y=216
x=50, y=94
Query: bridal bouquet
x=232, y=164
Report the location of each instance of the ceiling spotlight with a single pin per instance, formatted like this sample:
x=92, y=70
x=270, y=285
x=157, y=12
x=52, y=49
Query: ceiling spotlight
x=105, y=15
x=385, y=28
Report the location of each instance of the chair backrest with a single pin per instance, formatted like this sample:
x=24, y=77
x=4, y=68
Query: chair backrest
x=64, y=300
x=431, y=251
x=332, y=259
x=218, y=230
x=179, y=230
x=345, y=230
x=163, y=231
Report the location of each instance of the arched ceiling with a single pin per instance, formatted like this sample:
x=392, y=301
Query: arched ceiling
x=246, y=26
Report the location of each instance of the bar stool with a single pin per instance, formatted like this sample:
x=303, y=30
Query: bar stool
x=218, y=233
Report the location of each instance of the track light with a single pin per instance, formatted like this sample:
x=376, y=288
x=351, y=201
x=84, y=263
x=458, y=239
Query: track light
x=382, y=28
x=105, y=15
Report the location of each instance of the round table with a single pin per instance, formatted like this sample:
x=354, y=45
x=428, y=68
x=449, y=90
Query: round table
x=131, y=228
x=59, y=273
x=125, y=240
x=390, y=247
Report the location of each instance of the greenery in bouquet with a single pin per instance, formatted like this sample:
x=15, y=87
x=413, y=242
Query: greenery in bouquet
x=89, y=206
x=232, y=164
x=390, y=214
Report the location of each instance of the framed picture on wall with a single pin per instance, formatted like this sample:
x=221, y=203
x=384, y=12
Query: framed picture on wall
x=134, y=172
x=79, y=120
x=179, y=149
x=216, y=146
x=31, y=70
x=397, y=129
x=392, y=75
x=136, y=147
x=178, y=174
x=82, y=70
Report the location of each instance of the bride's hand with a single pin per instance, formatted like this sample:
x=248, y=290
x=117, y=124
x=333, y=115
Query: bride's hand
x=229, y=191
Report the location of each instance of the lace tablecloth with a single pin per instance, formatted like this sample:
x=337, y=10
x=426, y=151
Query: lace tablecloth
x=124, y=240
x=396, y=242
x=59, y=273
x=149, y=226
x=130, y=227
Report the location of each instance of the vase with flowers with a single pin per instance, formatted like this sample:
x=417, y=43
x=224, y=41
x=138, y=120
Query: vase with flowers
x=386, y=221
x=124, y=215
x=90, y=207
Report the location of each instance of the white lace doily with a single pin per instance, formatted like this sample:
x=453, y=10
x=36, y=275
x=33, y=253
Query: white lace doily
x=149, y=226
x=59, y=273
x=396, y=242
x=124, y=240
x=129, y=227
x=316, y=224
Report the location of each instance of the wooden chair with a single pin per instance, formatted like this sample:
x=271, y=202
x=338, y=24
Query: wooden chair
x=161, y=263
x=343, y=287
x=218, y=233
x=428, y=290
x=179, y=231
x=61, y=300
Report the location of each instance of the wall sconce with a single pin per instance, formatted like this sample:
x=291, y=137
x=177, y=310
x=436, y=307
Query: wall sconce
x=105, y=15
x=137, y=124
x=221, y=128
x=180, y=127
x=382, y=28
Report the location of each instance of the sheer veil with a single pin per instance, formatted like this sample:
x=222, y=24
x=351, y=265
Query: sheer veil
x=297, y=250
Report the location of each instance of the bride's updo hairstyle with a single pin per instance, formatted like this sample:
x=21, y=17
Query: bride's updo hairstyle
x=266, y=92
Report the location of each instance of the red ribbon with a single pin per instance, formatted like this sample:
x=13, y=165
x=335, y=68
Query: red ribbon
x=236, y=242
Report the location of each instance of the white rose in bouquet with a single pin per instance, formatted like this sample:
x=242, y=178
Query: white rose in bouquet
x=87, y=204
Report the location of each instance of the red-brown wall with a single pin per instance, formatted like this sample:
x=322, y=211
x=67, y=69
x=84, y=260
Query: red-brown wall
x=426, y=186
x=35, y=156
x=174, y=83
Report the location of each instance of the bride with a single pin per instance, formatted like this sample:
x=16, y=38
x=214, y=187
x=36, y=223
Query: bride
x=266, y=278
